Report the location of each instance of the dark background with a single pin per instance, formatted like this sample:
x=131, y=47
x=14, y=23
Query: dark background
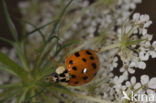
x=146, y=7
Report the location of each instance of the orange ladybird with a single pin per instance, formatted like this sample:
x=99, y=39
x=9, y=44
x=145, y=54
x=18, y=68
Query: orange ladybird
x=80, y=68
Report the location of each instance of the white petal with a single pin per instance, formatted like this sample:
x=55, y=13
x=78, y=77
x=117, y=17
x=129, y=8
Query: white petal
x=149, y=37
x=143, y=56
x=133, y=80
x=124, y=76
x=128, y=84
x=122, y=69
x=138, y=85
x=115, y=59
x=149, y=91
x=147, y=43
x=115, y=65
x=154, y=44
x=132, y=6
x=124, y=87
x=153, y=54
x=132, y=71
x=137, y=1
x=152, y=83
x=144, y=79
x=136, y=16
x=132, y=64
x=144, y=31
x=141, y=65
x=144, y=18
x=147, y=24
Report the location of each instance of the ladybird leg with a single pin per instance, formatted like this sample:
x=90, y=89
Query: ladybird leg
x=98, y=50
x=66, y=53
x=53, y=60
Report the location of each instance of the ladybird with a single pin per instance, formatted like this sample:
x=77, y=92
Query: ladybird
x=80, y=68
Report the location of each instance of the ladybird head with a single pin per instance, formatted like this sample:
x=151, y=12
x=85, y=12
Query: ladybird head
x=60, y=75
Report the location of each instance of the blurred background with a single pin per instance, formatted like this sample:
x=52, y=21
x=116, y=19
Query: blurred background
x=146, y=7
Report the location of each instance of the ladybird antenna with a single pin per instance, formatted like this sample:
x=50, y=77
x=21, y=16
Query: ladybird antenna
x=53, y=60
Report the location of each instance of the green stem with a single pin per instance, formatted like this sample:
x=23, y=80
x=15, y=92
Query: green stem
x=21, y=56
x=59, y=19
x=110, y=47
x=129, y=32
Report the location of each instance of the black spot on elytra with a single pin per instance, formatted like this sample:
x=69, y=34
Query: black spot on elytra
x=77, y=54
x=73, y=76
x=74, y=68
x=92, y=58
x=62, y=75
x=70, y=62
x=88, y=52
x=94, y=65
x=85, y=77
x=76, y=82
x=84, y=59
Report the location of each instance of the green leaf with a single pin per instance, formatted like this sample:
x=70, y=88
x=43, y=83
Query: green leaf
x=14, y=85
x=51, y=35
x=61, y=88
x=10, y=95
x=21, y=97
x=40, y=32
x=43, y=55
x=18, y=47
x=6, y=40
x=9, y=21
x=12, y=66
x=46, y=70
x=37, y=29
x=7, y=70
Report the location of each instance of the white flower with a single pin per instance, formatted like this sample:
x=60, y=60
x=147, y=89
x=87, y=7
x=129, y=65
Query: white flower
x=132, y=82
x=133, y=85
x=144, y=18
x=144, y=31
x=114, y=63
x=152, y=83
x=136, y=16
x=144, y=79
x=141, y=65
x=143, y=55
x=129, y=69
x=149, y=84
x=117, y=81
x=147, y=24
